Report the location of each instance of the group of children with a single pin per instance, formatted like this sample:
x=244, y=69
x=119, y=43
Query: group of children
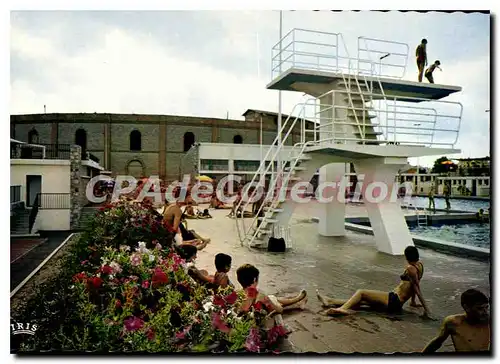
x=421, y=54
x=248, y=278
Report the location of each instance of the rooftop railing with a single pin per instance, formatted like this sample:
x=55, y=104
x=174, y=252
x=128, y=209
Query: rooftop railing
x=323, y=51
x=46, y=151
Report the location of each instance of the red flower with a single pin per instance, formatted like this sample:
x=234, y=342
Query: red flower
x=95, y=282
x=80, y=277
x=106, y=269
x=231, y=298
x=118, y=304
x=258, y=306
x=133, y=324
x=150, y=334
x=159, y=277
x=219, y=301
x=274, y=333
x=145, y=284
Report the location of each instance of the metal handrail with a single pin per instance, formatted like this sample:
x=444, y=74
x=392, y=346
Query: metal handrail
x=34, y=212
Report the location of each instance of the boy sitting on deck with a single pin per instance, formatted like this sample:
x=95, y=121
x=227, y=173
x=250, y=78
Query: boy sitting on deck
x=469, y=331
x=248, y=277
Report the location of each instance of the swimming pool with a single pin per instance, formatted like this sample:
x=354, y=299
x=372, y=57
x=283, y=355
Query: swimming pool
x=475, y=234
x=456, y=204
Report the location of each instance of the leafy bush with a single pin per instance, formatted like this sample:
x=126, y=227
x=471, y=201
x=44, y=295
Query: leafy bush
x=123, y=288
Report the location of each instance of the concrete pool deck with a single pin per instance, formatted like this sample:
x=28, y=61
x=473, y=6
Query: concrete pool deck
x=337, y=267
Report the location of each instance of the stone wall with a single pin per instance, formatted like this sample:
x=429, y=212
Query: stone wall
x=75, y=186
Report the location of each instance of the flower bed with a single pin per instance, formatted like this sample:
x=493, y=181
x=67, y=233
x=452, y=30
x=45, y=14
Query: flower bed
x=124, y=288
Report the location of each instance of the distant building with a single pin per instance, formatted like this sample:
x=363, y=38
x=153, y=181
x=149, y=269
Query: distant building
x=474, y=166
x=145, y=145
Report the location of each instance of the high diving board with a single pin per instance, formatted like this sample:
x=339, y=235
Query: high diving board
x=316, y=83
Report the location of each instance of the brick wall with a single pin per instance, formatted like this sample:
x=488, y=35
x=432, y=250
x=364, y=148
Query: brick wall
x=64, y=126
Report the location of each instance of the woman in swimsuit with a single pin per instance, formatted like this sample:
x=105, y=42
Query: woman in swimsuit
x=393, y=301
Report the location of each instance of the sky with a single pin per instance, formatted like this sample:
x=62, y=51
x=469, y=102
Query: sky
x=218, y=63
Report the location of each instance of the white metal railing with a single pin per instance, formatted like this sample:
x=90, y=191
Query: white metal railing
x=427, y=123
x=384, y=58
x=324, y=51
x=398, y=122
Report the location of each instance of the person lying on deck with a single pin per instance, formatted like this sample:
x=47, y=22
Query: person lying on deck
x=392, y=302
x=215, y=203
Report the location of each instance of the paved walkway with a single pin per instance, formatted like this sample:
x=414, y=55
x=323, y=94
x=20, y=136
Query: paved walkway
x=337, y=267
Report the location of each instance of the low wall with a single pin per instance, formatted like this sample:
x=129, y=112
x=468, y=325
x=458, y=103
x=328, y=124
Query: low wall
x=52, y=220
x=447, y=247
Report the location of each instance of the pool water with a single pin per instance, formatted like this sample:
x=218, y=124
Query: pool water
x=456, y=204
x=475, y=234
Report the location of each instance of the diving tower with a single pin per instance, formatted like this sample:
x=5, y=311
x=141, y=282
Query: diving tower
x=364, y=112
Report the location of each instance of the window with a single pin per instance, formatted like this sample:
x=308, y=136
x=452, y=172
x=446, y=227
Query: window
x=246, y=166
x=33, y=136
x=486, y=182
x=81, y=139
x=238, y=139
x=188, y=141
x=214, y=165
x=135, y=140
x=480, y=182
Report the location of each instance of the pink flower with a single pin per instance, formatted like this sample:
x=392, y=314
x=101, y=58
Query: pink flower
x=219, y=324
x=116, y=267
x=158, y=246
x=133, y=324
x=135, y=259
x=182, y=334
x=252, y=342
x=84, y=262
x=145, y=284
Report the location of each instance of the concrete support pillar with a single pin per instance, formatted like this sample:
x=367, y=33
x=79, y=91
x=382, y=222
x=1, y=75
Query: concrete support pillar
x=331, y=200
x=328, y=112
x=380, y=199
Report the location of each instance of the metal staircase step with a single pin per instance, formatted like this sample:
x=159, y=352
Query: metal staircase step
x=297, y=168
x=369, y=132
x=365, y=116
x=277, y=210
x=304, y=157
x=267, y=220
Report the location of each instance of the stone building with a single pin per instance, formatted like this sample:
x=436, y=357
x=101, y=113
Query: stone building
x=144, y=145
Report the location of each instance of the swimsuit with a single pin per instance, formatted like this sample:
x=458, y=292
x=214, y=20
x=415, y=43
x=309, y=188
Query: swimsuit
x=394, y=304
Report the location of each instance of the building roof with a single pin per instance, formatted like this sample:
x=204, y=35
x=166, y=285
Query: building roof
x=16, y=141
x=474, y=159
x=269, y=113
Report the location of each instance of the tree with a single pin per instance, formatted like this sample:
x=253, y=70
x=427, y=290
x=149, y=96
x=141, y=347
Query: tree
x=439, y=167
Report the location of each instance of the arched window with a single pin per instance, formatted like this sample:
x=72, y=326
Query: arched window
x=81, y=139
x=135, y=140
x=33, y=136
x=188, y=141
x=238, y=139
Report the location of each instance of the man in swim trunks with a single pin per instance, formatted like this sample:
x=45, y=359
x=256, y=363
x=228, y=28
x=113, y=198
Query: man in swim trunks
x=469, y=331
x=421, y=54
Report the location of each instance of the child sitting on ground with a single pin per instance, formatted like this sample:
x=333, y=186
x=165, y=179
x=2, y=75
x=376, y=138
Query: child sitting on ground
x=223, y=266
x=248, y=277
